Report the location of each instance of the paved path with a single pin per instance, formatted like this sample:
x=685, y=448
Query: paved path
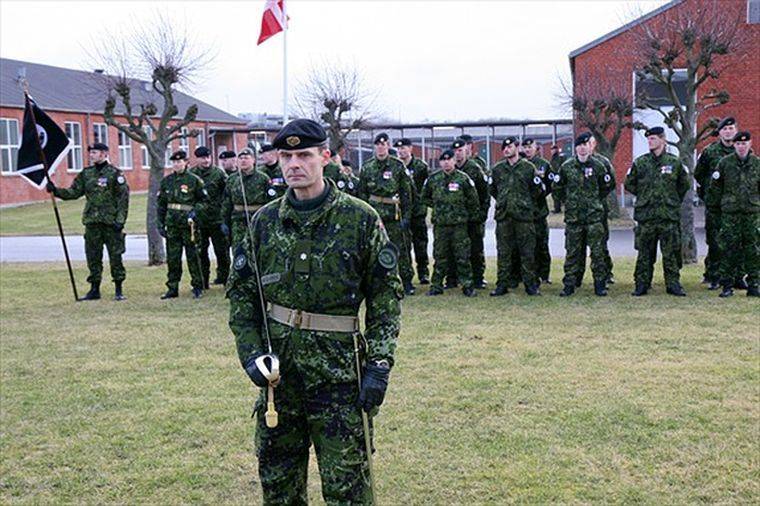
x=48, y=248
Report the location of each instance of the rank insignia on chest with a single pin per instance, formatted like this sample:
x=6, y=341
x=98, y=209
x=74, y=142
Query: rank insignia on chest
x=102, y=181
x=387, y=174
x=588, y=172
x=453, y=187
x=666, y=169
x=271, y=192
x=183, y=188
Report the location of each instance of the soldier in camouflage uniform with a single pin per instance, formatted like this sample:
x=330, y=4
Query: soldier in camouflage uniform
x=418, y=171
x=320, y=254
x=107, y=194
x=703, y=172
x=557, y=160
x=582, y=183
x=334, y=172
x=210, y=218
x=228, y=161
x=736, y=185
x=237, y=211
x=609, y=170
x=454, y=200
x=516, y=188
x=544, y=170
x=348, y=172
x=385, y=185
x=476, y=228
x=271, y=167
x=659, y=181
x=179, y=197
x=472, y=155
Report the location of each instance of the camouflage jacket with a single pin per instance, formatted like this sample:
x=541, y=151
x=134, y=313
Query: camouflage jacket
x=214, y=180
x=608, y=169
x=480, y=161
x=257, y=193
x=557, y=161
x=516, y=189
x=185, y=189
x=418, y=171
x=343, y=182
x=705, y=168
x=387, y=178
x=325, y=261
x=277, y=184
x=736, y=184
x=659, y=184
x=583, y=186
x=106, y=191
x=478, y=177
x=452, y=196
x=545, y=171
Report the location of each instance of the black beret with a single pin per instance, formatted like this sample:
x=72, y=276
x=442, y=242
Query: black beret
x=266, y=147
x=446, y=155
x=300, y=134
x=742, y=136
x=727, y=121
x=178, y=155
x=467, y=138
x=459, y=143
x=509, y=141
x=402, y=142
x=582, y=138
x=527, y=141
x=381, y=137
x=246, y=151
x=202, y=151
x=658, y=130
x=224, y=155
x=98, y=146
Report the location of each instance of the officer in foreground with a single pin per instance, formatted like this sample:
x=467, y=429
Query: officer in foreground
x=736, y=186
x=316, y=254
x=659, y=181
x=107, y=194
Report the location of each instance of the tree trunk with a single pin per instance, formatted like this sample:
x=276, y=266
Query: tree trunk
x=156, y=255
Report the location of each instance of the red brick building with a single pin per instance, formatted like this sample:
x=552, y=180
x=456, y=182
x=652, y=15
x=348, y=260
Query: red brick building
x=73, y=100
x=613, y=53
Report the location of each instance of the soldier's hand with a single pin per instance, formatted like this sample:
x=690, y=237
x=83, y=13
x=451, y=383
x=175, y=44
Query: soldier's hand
x=118, y=227
x=49, y=187
x=225, y=229
x=254, y=373
x=191, y=215
x=404, y=224
x=374, y=384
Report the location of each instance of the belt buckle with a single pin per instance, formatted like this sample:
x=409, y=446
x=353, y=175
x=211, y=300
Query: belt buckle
x=296, y=317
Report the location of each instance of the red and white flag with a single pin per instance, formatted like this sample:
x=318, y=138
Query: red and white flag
x=273, y=21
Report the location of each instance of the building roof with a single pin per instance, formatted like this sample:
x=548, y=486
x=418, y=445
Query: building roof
x=624, y=28
x=62, y=89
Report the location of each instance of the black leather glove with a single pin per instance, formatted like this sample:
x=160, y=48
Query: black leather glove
x=118, y=227
x=374, y=384
x=49, y=187
x=254, y=373
x=404, y=224
x=162, y=230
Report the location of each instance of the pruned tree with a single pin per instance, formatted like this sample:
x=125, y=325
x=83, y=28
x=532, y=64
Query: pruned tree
x=337, y=96
x=145, y=110
x=681, y=54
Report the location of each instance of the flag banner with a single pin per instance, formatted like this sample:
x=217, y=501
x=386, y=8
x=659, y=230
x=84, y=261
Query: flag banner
x=273, y=21
x=43, y=143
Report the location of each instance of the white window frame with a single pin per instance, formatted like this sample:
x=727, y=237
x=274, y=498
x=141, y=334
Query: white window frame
x=753, y=8
x=6, y=146
x=200, y=138
x=75, y=154
x=145, y=157
x=125, y=151
x=167, y=155
x=184, y=142
x=95, y=134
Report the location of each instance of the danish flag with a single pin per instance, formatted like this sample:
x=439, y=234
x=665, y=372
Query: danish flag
x=273, y=21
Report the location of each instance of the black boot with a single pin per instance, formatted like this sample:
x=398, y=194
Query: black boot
x=714, y=285
x=409, y=289
x=480, y=284
x=171, y=293
x=118, y=295
x=434, y=291
x=641, y=290
x=567, y=291
x=600, y=288
x=753, y=291
x=94, y=293
x=469, y=292
x=499, y=291
x=676, y=290
x=197, y=293
x=424, y=280
x=728, y=291
x=740, y=284
x=532, y=290
x=220, y=280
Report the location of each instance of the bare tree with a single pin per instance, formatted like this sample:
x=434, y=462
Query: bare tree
x=694, y=39
x=145, y=111
x=336, y=95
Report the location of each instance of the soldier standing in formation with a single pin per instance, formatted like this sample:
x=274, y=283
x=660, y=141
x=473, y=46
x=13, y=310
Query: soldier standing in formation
x=708, y=161
x=454, y=200
x=179, y=197
x=418, y=171
x=107, y=194
x=228, y=160
x=209, y=218
x=237, y=208
x=544, y=170
x=320, y=253
x=334, y=171
x=384, y=184
x=557, y=160
x=516, y=188
x=610, y=171
x=472, y=155
x=271, y=168
x=582, y=183
x=659, y=181
x=736, y=186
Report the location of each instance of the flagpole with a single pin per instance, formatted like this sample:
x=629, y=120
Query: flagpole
x=284, y=62
x=52, y=200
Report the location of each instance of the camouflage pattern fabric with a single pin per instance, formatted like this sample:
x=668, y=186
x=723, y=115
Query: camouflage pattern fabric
x=258, y=191
x=608, y=170
x=648, y=235
x=451, y=244
x=342, y=181
x=209, y=223
x=476, y=229
x=418, y=170
x=577, y=236
x=543, y=259
x=97, y=235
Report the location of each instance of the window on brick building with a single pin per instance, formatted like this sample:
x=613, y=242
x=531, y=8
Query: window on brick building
x=657, y=93
x=100, y=133
x=200, y=139
x=74, y=156
x=184, y=142
x=143, y=150
x=125, y=151
x=753, y=12
x=9, y=143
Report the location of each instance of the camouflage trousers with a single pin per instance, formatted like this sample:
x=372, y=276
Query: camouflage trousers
x=97, y=235
x=712, y=237
x=607, y=257
x=400, y=239
x=515, y=238
x=476, y=231
x=177, y=239
x=577, y=239
x=543, y=258
x=740, y=247
x=451, y=243
x=419, y=242
x=326, y=417
x=647, y=235
x=212, y=233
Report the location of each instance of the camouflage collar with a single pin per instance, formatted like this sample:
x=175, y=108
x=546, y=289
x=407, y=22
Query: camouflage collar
x=289, y=214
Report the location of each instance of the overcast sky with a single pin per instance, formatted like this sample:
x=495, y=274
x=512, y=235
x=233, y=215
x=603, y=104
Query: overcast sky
x=428, y=60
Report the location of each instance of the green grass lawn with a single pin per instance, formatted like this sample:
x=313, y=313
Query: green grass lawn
x=39, y=219
x=530, y=400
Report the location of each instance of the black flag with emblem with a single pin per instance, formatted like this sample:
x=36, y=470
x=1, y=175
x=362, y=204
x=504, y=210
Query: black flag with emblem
x=43, y=145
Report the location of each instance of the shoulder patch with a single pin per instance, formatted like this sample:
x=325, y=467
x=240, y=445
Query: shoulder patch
x=387, y=257
x=716, y=175
x=556, y=178
x=120, y=180
x=536, y=180
x=240, y=263
x=607, y=178
x=341, y=184
x=271, y=192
